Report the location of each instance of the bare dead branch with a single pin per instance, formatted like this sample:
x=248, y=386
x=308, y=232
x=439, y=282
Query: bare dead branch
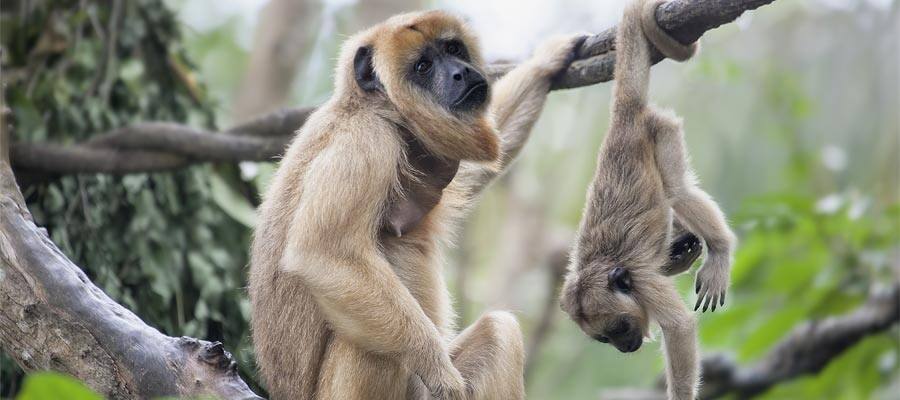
x=53, y=318
x=686, y=20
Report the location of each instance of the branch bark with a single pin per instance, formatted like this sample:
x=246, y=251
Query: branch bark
x=686, y=20
x=53, y=318
x=806, y=350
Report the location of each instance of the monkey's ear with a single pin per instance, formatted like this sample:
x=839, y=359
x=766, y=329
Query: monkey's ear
x=364, y=71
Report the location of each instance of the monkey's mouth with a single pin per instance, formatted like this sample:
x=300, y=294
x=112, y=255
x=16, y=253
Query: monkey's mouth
x=629, y=347
x=474, y=97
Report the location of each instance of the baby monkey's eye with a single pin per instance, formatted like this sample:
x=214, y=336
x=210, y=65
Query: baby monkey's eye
x=620, y=279
x=601, y=338
x=452, y=48
x=423, y=66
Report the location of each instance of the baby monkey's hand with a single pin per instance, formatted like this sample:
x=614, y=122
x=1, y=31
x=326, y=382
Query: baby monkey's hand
x=712, y=282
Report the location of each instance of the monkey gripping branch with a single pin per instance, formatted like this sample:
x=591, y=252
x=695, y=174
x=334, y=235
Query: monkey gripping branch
x=159, y=146
x=52, y=317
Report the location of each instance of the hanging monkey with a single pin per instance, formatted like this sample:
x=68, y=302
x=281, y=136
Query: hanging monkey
x=619, y=277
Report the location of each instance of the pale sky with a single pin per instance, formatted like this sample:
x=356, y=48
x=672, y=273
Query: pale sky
x=509, y=29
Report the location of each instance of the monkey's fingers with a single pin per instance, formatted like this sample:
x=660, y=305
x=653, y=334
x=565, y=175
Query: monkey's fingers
x=708, y=299
x=700, y=299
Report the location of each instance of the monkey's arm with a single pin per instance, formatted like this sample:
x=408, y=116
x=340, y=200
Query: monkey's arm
x=679, y=329
x=516, y=103
x=332, y=247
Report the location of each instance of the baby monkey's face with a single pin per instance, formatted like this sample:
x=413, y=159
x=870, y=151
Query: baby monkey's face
x=601, y=300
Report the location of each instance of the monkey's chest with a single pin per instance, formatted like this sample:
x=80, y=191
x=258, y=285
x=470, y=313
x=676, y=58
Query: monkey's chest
x=422, y=179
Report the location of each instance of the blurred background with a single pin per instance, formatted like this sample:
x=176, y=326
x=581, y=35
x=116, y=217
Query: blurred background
x=792, y=117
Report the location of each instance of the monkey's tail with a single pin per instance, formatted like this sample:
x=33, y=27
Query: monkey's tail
x=666, y=44
x=632, y=71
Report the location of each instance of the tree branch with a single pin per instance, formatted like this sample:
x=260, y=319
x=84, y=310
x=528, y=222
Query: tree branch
x=117, y=152
x=53, y=318
x=806, y=350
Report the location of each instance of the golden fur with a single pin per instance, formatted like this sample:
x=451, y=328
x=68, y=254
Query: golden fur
x=644, y=181
x=342, y=310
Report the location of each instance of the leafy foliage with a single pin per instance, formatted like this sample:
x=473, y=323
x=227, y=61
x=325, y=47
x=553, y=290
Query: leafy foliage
x=157, y=243
x=52, y=386
x=807, y=255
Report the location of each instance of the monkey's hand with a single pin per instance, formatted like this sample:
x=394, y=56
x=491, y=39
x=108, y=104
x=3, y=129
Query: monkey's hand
x=555, y=54
x=442, y=379
x=712, y=280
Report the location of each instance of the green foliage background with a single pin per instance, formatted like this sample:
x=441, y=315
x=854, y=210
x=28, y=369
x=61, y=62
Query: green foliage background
x=157, y=243
x=792, y=118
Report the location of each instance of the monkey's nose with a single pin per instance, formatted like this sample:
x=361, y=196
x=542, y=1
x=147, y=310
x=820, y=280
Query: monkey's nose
x=629, y=345
x=460, y=73
x=634, y=345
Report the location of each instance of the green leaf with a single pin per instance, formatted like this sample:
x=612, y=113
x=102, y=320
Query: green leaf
x=235, y=205
x=53, y=386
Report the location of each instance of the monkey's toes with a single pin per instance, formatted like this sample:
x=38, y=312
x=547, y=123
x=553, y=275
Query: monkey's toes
x=711, y=300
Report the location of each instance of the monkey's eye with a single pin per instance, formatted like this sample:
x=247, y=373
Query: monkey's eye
x=601, y=338
x=452, y=48
x=423, y=66
x=620, y=280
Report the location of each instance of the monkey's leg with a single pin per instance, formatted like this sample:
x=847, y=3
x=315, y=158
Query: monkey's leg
x=349, y=373
x=695, y=209
x=702, y=215
x=491, y=357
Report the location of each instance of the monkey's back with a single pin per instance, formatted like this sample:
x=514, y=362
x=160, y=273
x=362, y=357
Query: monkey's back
x=626, y=200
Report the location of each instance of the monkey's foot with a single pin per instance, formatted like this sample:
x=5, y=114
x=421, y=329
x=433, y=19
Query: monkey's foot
x=712, y=282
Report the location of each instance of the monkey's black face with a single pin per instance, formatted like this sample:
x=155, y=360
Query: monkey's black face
x=444, y=69
x=623, y=332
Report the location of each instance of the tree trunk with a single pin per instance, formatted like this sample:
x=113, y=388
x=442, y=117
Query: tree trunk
x=285, y=32
x=53, y=318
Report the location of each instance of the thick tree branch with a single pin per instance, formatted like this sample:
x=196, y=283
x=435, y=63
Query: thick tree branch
x=118, y=153
x=53, y=318
x=806, y=350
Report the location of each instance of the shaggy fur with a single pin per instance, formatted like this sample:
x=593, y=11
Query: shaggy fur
x=643, y=181
x=343, y=308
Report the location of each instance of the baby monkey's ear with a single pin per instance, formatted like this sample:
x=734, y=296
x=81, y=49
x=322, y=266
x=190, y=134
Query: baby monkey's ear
x=364, y=70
